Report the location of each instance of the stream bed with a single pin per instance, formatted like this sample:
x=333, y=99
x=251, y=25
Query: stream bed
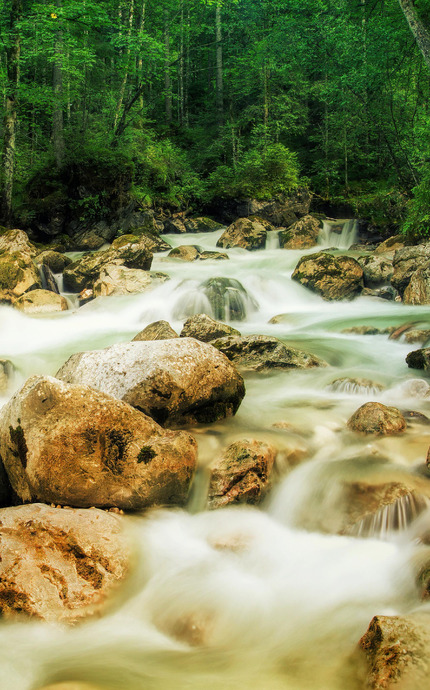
x=265, y=598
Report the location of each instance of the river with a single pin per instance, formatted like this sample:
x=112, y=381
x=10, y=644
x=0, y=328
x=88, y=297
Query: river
x=265, y=598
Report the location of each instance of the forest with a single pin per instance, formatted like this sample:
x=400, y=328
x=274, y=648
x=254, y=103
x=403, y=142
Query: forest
x=179, y=104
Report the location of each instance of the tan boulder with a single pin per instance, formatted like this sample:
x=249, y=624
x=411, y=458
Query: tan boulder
x=151, y=240
x=203, y=327
x=159, y=330
x=390, y=245
x=406, y=261
x=201, y=224
x=18, y=274
x=245, y=233
x=301, y=235
x=71, y=445
x=263, y=352
x=242, y=474
x=41, y=302
x=418, y=288
x=176, y=382
x=332, y=277
x=119, y=280
x=377, y=270
x=59, y=564
x=16, y=241
x=376, y=418
x=185, y=252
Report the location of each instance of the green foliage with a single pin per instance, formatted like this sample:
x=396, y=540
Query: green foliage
x=417, y=223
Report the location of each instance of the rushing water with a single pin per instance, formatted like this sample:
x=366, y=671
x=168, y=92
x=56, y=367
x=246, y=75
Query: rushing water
x=264, y=598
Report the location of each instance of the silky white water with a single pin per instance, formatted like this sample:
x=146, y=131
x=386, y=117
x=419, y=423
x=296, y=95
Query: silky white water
x=258, y=598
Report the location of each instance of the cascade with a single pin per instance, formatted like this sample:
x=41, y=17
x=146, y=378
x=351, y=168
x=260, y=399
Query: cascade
x=268, y=597
x=340, y=234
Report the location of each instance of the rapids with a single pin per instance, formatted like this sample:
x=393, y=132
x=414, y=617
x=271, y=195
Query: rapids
x=265, y=598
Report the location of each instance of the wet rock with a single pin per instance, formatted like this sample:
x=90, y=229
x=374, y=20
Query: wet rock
x=174, y=225
x=417, y=335
x=242, y=474
x=332, y=277
x=59, y=564
x=154, y=242
x=176, y=382
x=244, y=233
x=390, y=245
x=119, y=280
x=363, y=330
x=377, y=270
x=185, y=252
x=406, y=261
x=18, y=274
x=213, y=256
x=56, y=261
x=203, y=327
x=159, y=330
x=418, y=288
x=356, y=386
x=84, y=272
x=419, y=359
x=395, y=650
x=41, y=302
x=48, y=279
x=85, y=296
x=6, y=373
x=71, y=445
x=262, y=352
x=12, y=241
x=375, y=418
x=89, y=241
x=228, y=299
x=301, y=235
x=387, y=292
x=201, y=224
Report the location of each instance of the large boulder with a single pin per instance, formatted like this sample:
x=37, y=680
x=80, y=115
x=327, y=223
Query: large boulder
x=17, y=241
x=228, y=298
x=376, y=418
x=174, y=226
x=153, y=242
x=159, y=330
x=41, y=302
x=185, y=252
x=119, y=280
x=18, y=274
x=59, y=564
x=332, y=277
x=419, y=359
x=394, y=651
x=262, y=352
x=56, y=261
x=71, y=445
x=84, y=272
x=303, y=234
x=418, y=289
x=282, y=211
x=377, y=270
x=242, y=474
x=201, y=224
x=244, y=233
x=203, y=327
x=176, y=382
x=406, y=261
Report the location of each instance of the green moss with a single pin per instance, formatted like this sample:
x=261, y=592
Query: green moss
x=146, y=454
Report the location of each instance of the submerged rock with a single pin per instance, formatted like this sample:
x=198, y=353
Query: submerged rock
x=262, y=352
x=375, y=418
x=41, y=302
x=332, y=277
x=75, y=446
x=356, y=386
x=213, y=256
x=419, y=359
x=417, y=335
x=159, y=330
x=228, y=298
x=176, y=382
x=242, y=474
x=301, y=235
x=203, y=327
x=244, y=233
x=59, y=564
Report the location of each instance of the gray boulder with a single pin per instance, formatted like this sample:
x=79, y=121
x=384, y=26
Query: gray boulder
x=332, y=277
x=261, y=352
x=203, y=327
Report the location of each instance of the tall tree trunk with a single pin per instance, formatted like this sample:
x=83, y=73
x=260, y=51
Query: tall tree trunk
x=219, y=70
x=57, y=84
x=181, y=68
x=10, y=118
x=140, y=59
x=419, y=31
x=167, y=78
x=126, y=68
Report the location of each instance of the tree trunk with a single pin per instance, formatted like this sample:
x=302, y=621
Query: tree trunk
x=167, y=79
x=219, y=74
x=140, y=60
x=419, y=31
x=57, y=84
x=126, y=68
x=10, y=118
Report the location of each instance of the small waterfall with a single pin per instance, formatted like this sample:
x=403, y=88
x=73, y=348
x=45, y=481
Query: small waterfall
x=228, y=298
x=392, y=518
x=354, y=386
x=340, y=234
x=272, y=239
x=48, y=279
